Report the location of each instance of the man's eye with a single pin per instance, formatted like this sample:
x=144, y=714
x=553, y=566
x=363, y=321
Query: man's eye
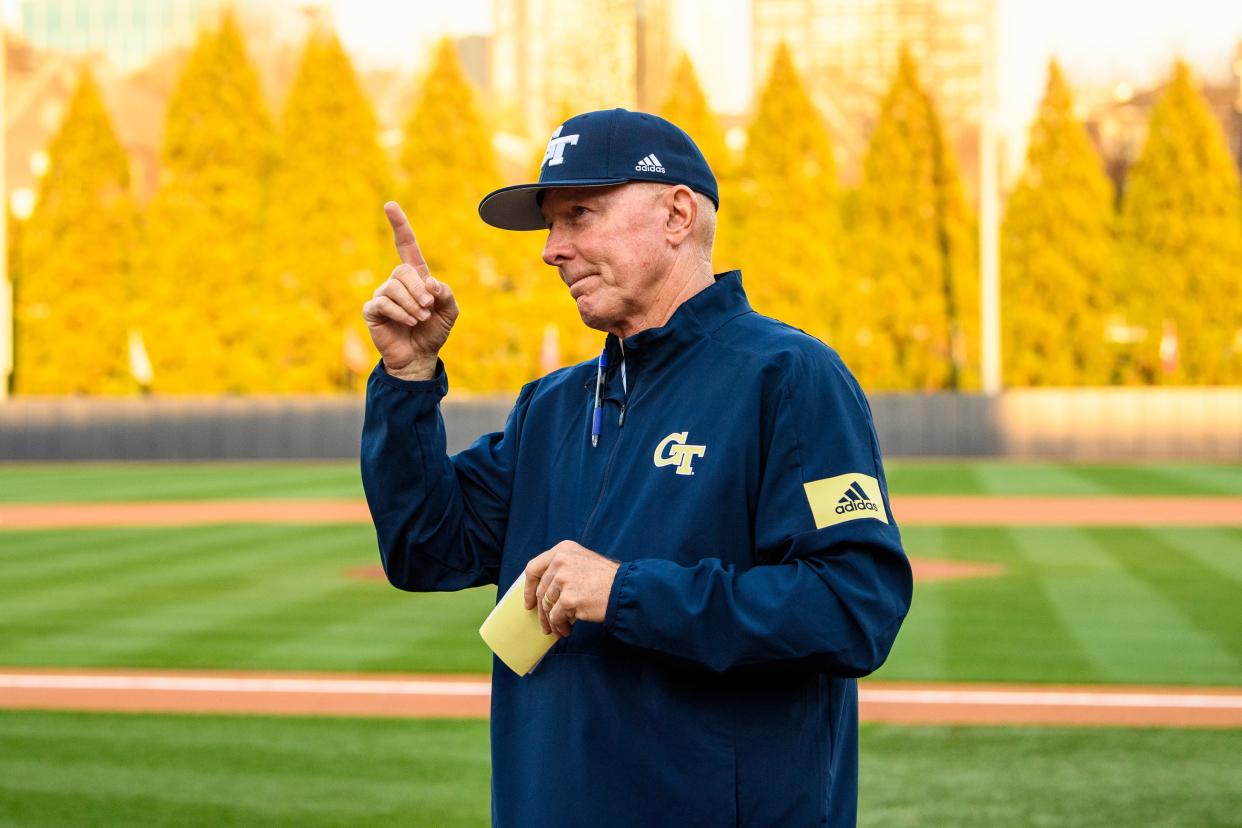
x=579, y=210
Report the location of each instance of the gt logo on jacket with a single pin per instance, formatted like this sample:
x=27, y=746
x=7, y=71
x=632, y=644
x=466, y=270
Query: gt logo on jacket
x=679, y=454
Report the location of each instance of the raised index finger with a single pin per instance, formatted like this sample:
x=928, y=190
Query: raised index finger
x=403, y=237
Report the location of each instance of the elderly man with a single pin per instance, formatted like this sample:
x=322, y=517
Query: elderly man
x=701, y=512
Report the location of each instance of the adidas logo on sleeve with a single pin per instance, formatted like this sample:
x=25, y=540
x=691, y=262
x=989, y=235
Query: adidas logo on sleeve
x=845, y=497
x=650, y=164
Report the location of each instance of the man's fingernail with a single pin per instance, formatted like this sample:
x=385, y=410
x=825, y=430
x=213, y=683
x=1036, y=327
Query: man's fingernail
x=432, y=283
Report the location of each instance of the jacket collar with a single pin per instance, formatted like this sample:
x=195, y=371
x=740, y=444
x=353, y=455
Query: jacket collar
x=695, y=319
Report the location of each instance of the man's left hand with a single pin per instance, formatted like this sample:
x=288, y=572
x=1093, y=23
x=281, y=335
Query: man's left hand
x=569, y=583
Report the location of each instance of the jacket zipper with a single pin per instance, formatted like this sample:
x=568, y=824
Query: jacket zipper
x=603, y=487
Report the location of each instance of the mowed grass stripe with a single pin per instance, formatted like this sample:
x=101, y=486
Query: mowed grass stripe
x=1043, y=479
x=110, y=769
x=1213, y=605
x=1014, y=477
x=921, y=647
x=403, y=632
x=129, y=609
x=1015, y=604
x=228, y=627
x=279, y=597
x=206, y=557
x=911, y=777
x=52, y=558
x=260, y=597
x=1219, y=479
x=1218, y=549
x=1163, y=479
x=1129, y=630
x=230, y=480
x=21, y=483
x=118, y=769
x=286, y=627
x=932, y=477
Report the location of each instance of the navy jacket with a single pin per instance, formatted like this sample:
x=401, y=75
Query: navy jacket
x=739, y=483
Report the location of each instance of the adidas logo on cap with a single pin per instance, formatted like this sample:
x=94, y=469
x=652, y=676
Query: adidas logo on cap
x=855, y=500
x=650, y=164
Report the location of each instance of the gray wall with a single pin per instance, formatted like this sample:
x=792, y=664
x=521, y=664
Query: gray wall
x=1118, y=423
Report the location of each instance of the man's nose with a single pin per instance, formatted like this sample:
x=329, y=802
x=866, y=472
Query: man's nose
x=556, y=251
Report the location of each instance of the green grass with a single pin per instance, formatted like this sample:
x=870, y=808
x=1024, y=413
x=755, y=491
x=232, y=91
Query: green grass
x=87, y=769
x=1141, y=605
x=1005, y=477
x=91, y=769
x=244, y=596
x=197, y=481
x=39, y=482
x=951, y=776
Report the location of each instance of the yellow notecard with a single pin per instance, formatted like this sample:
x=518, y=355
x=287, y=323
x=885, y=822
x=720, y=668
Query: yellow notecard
x=513, y=631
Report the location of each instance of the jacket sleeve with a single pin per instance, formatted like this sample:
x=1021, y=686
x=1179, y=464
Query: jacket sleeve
x=440, y=521
x=831, y=584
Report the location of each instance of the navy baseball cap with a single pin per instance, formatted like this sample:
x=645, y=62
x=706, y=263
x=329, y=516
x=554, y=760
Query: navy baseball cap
x=596, y=149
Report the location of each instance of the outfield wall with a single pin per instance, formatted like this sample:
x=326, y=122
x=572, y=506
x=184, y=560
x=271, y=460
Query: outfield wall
x=1105, y=423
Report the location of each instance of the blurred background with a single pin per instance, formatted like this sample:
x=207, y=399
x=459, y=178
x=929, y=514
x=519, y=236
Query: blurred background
x=971, y=196
x=225, y=159
x=1020, y=223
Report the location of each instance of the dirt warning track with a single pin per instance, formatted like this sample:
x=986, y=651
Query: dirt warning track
x=948, y=510
x=469, y=696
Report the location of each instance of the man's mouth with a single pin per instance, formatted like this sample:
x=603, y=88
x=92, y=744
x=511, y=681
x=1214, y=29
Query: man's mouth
x=575, y=284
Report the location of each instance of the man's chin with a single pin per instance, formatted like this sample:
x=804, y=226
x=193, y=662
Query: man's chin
x=591, y=317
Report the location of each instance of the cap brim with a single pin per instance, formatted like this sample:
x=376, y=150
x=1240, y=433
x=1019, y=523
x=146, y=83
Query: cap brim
x=517, y=207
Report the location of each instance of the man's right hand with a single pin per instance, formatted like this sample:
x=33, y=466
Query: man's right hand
x=411, y=313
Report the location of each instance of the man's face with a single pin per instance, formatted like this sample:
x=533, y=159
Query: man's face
x=609, y=247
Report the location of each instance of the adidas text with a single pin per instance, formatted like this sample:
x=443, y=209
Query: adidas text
x=856, y=506
x=649, y=164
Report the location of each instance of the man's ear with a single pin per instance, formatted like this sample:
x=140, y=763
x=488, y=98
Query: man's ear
x=682, y=211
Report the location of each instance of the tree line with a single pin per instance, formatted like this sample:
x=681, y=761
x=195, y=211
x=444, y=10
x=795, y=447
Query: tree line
x=247, y=270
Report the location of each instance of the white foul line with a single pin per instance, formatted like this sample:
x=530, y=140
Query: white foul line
x=394, y=687
x=380, y=687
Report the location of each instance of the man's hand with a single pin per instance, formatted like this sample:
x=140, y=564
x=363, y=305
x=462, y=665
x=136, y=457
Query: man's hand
x=411, y=313
x=569, y=583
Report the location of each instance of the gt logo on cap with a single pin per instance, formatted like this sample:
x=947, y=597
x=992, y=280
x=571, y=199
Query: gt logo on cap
x=552, y=156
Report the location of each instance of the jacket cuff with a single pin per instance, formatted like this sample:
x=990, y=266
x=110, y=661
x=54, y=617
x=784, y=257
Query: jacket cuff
x=615, y=597
x=438, y=384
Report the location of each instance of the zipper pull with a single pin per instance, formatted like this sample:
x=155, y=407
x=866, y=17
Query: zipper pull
x=621, y=419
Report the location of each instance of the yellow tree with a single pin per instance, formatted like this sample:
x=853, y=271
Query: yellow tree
x=507, y=296
x=1057, y=252
x=1182, y=244
x=687, y=107
x=913, y=309
x=206, y=308
x=789, y=223
x=72, y=299
x=328, y=241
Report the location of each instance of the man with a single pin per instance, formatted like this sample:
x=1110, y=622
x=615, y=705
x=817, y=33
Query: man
x=701, y=513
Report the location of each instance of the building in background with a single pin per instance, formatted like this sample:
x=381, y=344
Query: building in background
x=1116, y=117
x=847, y=50
x=551, y=58
x=127, y=33
x=116, y=38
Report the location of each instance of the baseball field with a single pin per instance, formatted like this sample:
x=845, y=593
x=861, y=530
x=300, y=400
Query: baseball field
x=1073, y=655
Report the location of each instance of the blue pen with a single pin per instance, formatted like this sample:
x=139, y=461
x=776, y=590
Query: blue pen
x=597, y=418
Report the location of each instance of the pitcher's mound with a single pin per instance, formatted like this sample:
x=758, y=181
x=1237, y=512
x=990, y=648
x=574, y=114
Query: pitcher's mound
x=932, y=569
